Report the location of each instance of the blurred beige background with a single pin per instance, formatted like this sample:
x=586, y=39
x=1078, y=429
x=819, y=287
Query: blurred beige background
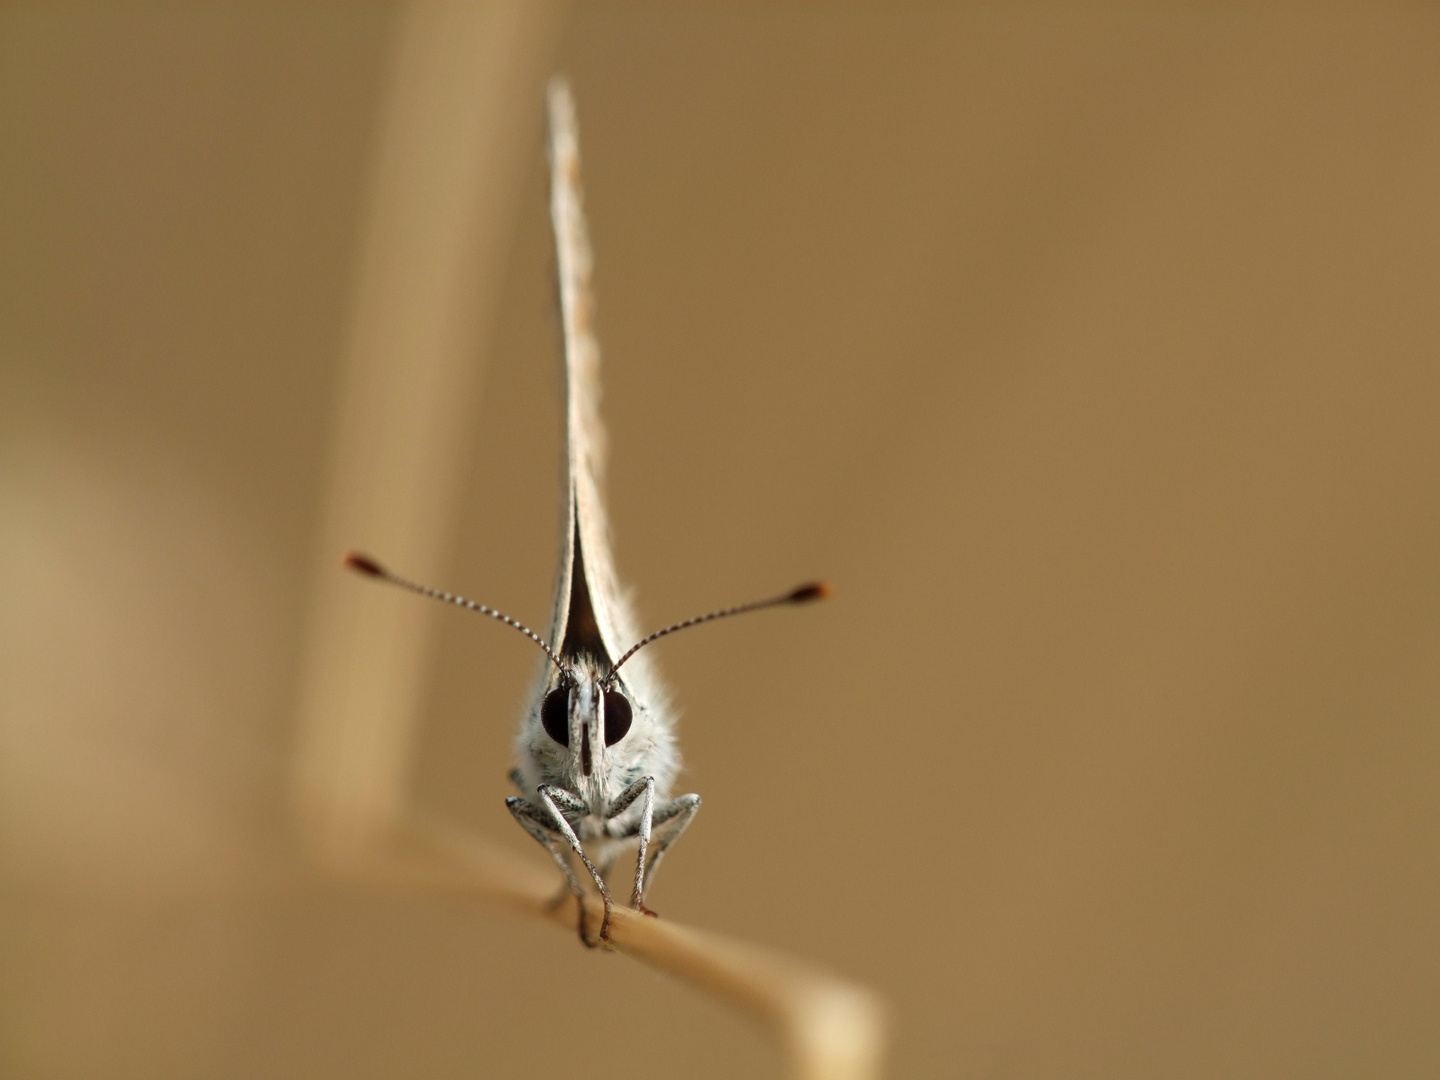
x=1091, y=352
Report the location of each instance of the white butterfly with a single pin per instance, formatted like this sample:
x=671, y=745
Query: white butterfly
x=596, y=753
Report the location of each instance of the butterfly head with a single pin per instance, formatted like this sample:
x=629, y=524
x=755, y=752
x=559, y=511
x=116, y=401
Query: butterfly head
x=584, y=717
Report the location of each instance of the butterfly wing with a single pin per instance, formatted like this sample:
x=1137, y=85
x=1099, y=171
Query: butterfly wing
x=593, y=623
x=592, y=614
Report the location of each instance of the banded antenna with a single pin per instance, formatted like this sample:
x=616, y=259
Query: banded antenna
x=363, y=564
x=814, y=590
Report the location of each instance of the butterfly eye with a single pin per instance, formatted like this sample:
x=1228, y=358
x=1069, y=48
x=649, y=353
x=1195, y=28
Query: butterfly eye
x=555, y=715
x=617, y=716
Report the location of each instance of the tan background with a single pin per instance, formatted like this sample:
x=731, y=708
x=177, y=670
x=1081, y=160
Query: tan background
x=1091, y=353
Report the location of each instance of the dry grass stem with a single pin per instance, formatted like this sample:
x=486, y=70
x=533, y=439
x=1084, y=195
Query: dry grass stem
x=450, y=155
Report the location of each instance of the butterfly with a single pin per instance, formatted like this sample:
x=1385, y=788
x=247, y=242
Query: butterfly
x=596, y=754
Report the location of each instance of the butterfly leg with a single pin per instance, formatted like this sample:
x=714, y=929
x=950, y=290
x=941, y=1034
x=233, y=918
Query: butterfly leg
x=644, y=787
x=536, y=822
x=666, y=824
x=564, y=892
x=553, y=798
x=671, y=819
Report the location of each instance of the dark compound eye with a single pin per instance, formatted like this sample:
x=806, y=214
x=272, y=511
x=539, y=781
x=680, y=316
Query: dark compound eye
x=617, y=716
x=555, y=715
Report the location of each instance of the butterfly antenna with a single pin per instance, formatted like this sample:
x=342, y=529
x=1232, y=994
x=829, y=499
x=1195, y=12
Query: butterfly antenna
x=815, y=590
x=363, y=564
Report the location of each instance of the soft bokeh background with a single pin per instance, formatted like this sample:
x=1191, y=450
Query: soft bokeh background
x=1091, y=352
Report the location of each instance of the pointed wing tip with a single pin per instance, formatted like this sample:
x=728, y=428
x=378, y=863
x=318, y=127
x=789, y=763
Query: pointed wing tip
x=561, y=103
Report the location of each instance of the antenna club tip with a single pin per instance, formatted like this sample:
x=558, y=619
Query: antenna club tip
x=362, y=564
x=815, y=590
